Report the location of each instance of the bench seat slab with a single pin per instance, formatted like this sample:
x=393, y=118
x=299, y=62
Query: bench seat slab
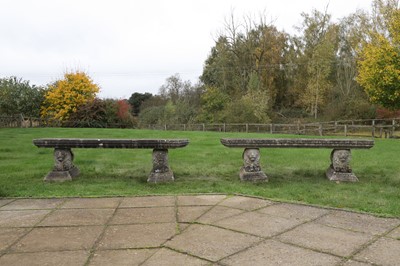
x=69, y=143
x=298, y=143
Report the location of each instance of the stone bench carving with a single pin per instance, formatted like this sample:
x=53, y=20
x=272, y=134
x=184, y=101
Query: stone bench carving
x=64, y=168
x=339, y=170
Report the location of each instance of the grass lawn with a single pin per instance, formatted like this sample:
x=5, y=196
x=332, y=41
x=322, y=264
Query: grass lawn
x=204, y=166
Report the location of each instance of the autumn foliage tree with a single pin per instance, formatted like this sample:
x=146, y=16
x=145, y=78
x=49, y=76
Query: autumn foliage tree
x=91, y=114
x=124, y=113
x=102, y=113
x=379, y=67
x=65, y=96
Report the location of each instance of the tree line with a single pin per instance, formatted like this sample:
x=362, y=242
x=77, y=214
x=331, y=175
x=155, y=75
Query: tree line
x=254, y=73
x=327, y=70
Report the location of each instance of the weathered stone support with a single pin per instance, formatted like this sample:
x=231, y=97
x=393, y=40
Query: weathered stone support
x=340, y=169
x=251, y=169
x=161, y=171
x=64, y=169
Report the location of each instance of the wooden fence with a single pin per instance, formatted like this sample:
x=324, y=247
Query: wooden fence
x=381, y=128
x=19, y=121
x=374, y=128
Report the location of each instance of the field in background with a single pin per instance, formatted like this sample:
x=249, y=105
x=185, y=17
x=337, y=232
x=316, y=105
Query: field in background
x=204, y=166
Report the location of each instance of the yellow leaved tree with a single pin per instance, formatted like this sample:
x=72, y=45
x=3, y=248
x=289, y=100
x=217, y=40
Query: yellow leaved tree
x=379, y=64
x=66, y=95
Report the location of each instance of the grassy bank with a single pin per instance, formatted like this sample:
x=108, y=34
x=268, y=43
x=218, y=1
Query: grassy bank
x=204, y=166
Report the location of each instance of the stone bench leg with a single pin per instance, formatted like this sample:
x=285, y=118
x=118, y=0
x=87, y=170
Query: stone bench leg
x=251, y=169
x=340, y=169
x=161, y=171
x=64, y=168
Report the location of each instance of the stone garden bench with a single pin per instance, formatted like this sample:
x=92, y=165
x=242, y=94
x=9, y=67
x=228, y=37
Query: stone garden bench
x=339, y=170
x=64, y=169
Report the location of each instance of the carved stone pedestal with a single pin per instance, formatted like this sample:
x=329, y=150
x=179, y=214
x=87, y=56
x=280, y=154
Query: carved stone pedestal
x=341, y=177
x=251, y=170
x=161, y=171
x=252, y=176
x=340, y=169
x=64, y=169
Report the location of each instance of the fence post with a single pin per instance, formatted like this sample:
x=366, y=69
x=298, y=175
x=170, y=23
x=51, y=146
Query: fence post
x=345, y=130
x=320, y=129
x=165, y=127
x=247, y=128
x=271, y=128
x=204, y=127
x=352, y=126
x=224, y=127
x=393, y=128
x=373, y=128
x=20, y=120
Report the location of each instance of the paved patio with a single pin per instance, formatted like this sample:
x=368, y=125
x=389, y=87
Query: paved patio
x=190, y=230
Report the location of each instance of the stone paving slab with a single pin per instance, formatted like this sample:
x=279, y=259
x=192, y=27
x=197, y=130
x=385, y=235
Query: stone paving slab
x=295, y=212
x=272, y=252
x=359, y=222
x=327, y=239
x=24, y=218
x=258, y=224
x=144, y=215
x=355, y=263
x=91, y=203
x=191, y=230
x=5, y=201
x=137, y=236
x=218, y=213
x=245, y=203
x=9, y=235
x=167, y=257
x=123, y=257
x=200, y=200
x=149, y=201
x=70, y=217
x=385, y=251
x=395, y=233
x=29, y=204
x=189, y=214
x=58, y=239
x=211, y=243
x=64, y=258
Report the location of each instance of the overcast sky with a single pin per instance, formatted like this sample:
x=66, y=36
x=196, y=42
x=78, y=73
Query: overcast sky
x=129, y=46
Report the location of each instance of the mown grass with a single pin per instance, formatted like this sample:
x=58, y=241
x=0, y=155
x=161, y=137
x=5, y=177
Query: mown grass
x=204, y=166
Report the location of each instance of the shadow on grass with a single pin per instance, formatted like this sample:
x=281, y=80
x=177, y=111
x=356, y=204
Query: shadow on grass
x=299, y=175
x=3, y=193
